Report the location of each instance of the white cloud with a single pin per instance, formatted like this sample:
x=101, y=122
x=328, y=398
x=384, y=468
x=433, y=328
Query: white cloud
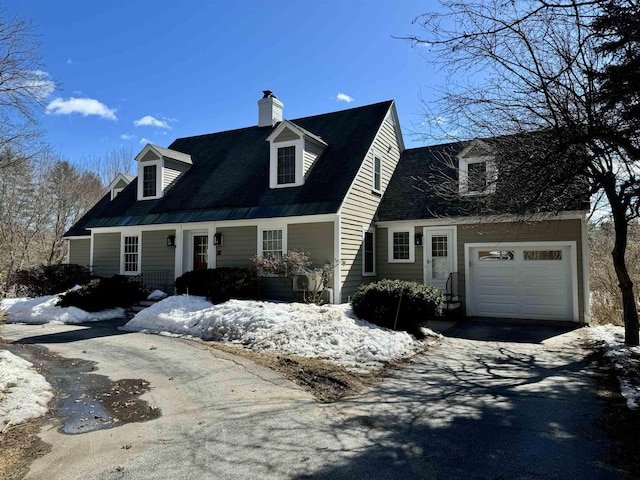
x=83, y=106
x=149, y=121
x=35, y=82
x=144, y=141
x=126, y=136
x=69, y=61
x=343, y=97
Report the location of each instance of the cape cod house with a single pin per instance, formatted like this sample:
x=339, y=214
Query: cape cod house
x=336, y=185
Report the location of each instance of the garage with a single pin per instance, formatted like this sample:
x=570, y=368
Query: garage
x=522, y=280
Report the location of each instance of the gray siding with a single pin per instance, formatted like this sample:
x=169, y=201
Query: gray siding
x=80, y=251
x=156, y=256
x=360, y=206
x=402, y=271
x=286, y=135
x=314, y=238
x=106, y=254
x=120, y=184
x=239, y=245
x=312, y=151
x=171, y=172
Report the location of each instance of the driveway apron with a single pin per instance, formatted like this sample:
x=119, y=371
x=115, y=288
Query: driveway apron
x=496, y=400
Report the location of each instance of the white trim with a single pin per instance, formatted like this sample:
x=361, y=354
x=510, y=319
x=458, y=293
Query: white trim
x=337, y=252
x=506, y=218
x=586, y=286
x=261, y=228
x=371, y=230
x=373, y=171
x=189, y=251
x=115, y=192
x=454, y=247
x=299, y=166
x=412, y=248
x=301, y=132
x=159, y=178
x=122, y=253
x=503, y=245
x=179, y=253
x=91, y=252
x=463, y=175
x=77, y=237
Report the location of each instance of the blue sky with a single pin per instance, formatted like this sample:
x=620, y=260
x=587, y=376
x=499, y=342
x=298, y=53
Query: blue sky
x=132, y=72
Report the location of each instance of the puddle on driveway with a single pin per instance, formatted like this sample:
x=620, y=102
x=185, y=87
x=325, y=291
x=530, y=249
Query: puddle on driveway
x=87, y=401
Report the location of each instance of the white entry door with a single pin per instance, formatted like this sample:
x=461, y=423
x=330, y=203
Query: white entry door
x=439, y=256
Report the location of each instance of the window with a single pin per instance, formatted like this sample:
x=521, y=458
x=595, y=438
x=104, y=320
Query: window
x=377, y=174
x=149, y=181
x=131, y=254
x=368, y=248
x=493, y=255
x=272, y=244
x=286, y=165
x=543, y=254
x=477, y=177
x=401, y=246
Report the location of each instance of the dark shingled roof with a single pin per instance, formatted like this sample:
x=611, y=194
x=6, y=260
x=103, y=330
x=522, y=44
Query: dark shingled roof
x=229, y=179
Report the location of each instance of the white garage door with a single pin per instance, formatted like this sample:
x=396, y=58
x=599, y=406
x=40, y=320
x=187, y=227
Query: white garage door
x=515, y=281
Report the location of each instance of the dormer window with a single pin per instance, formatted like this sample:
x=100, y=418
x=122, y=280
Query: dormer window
x=293, y=153
x=286, y=165
x=117, y=184
x=476, y=177
x=149, y=181
x=476, y=169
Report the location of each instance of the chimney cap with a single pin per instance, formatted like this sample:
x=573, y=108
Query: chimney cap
x=268, y=94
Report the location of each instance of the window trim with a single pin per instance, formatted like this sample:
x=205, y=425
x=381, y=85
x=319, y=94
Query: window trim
x=376, y=156
x=273, y=163
x=261, y=231
x=159, y=175
x=412, y=249
x=123, y=236
x=463, y=175
x=372, y=231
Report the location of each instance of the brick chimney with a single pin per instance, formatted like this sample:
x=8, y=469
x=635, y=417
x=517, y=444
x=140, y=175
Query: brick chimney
x=269, y=110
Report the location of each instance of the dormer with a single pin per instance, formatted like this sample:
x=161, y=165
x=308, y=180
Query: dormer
x=158, y=170
x=118, y=184
x=292, y=154
x=477, y=169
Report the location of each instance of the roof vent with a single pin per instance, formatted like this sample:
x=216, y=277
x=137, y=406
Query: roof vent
x=269, y=110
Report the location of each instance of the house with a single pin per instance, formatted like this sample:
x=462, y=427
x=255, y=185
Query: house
x=340, y=186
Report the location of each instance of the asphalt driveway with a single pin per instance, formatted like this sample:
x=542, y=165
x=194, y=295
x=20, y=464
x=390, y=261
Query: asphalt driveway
x=494, y=401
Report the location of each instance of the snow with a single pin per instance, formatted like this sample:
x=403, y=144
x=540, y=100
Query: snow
x=44, y=310
x=24, y=393
x=330, y=332
x=157, y=295
x=626, y=360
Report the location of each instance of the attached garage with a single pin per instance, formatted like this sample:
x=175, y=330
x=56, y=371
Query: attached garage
x=524, y=280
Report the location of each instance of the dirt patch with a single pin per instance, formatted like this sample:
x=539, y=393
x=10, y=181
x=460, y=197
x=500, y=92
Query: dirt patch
x=20, y=446
x=325, y=380
x=621, y=423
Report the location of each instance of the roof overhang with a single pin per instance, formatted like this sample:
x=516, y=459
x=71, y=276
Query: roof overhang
x=164, y=153
x=296, y=129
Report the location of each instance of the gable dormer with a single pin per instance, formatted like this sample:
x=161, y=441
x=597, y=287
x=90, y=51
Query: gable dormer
x=292, y=154
x=118, y=184
x=158, y=170
x=476, y=169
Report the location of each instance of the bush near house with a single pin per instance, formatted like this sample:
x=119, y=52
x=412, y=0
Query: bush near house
x=378, y=303
x=49, y=279
x=104, y=293
x=222, y=284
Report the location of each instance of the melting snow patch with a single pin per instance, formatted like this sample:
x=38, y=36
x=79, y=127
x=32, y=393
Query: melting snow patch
x=42, y=310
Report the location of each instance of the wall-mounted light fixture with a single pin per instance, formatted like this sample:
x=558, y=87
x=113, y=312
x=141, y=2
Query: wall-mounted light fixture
x=217, y=239
x=418, y=238
x=171, y=241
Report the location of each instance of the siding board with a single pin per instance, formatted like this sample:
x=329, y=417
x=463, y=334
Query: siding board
x=239, y=245
x=106, y=254
x=156, y=256
x=80, y=251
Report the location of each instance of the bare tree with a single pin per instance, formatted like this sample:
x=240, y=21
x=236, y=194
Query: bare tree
x=113, y=162
x=518, y=67
x=24, y=86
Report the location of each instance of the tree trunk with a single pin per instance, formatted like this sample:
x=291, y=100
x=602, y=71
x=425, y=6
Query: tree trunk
x=629, y=309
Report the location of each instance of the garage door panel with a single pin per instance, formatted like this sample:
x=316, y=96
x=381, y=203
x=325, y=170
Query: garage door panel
x=525, y=285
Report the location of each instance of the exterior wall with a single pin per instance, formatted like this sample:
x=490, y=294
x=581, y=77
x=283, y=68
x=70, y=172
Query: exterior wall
x=506, y=232
x=156, y=256
x=120, y=184
x=171, y=171
x=314, y=238
x=106, y=254
x=239, y=245
x=80, y=251
x=360, y=206
x=311, y=153
x=286, y=135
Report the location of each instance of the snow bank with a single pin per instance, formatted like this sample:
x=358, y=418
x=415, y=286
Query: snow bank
x=330, y=332
x=24, y=393
x=626, y=360
x=43, y=310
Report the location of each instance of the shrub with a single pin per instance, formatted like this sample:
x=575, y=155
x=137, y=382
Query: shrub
x=221, y=284
x=49, y=279
x=103, y=293
x=378, y=303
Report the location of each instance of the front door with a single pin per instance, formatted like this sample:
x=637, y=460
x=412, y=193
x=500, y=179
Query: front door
x=200, y=252
x=438, y=256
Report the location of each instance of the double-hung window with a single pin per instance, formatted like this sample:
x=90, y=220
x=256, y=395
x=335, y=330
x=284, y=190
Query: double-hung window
x=377, y=174
x=401, y=247
x=149, y=180
x=369, y=253
x=477, y=175
x=286, y=165
x=131, y=254
x=272, y=244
